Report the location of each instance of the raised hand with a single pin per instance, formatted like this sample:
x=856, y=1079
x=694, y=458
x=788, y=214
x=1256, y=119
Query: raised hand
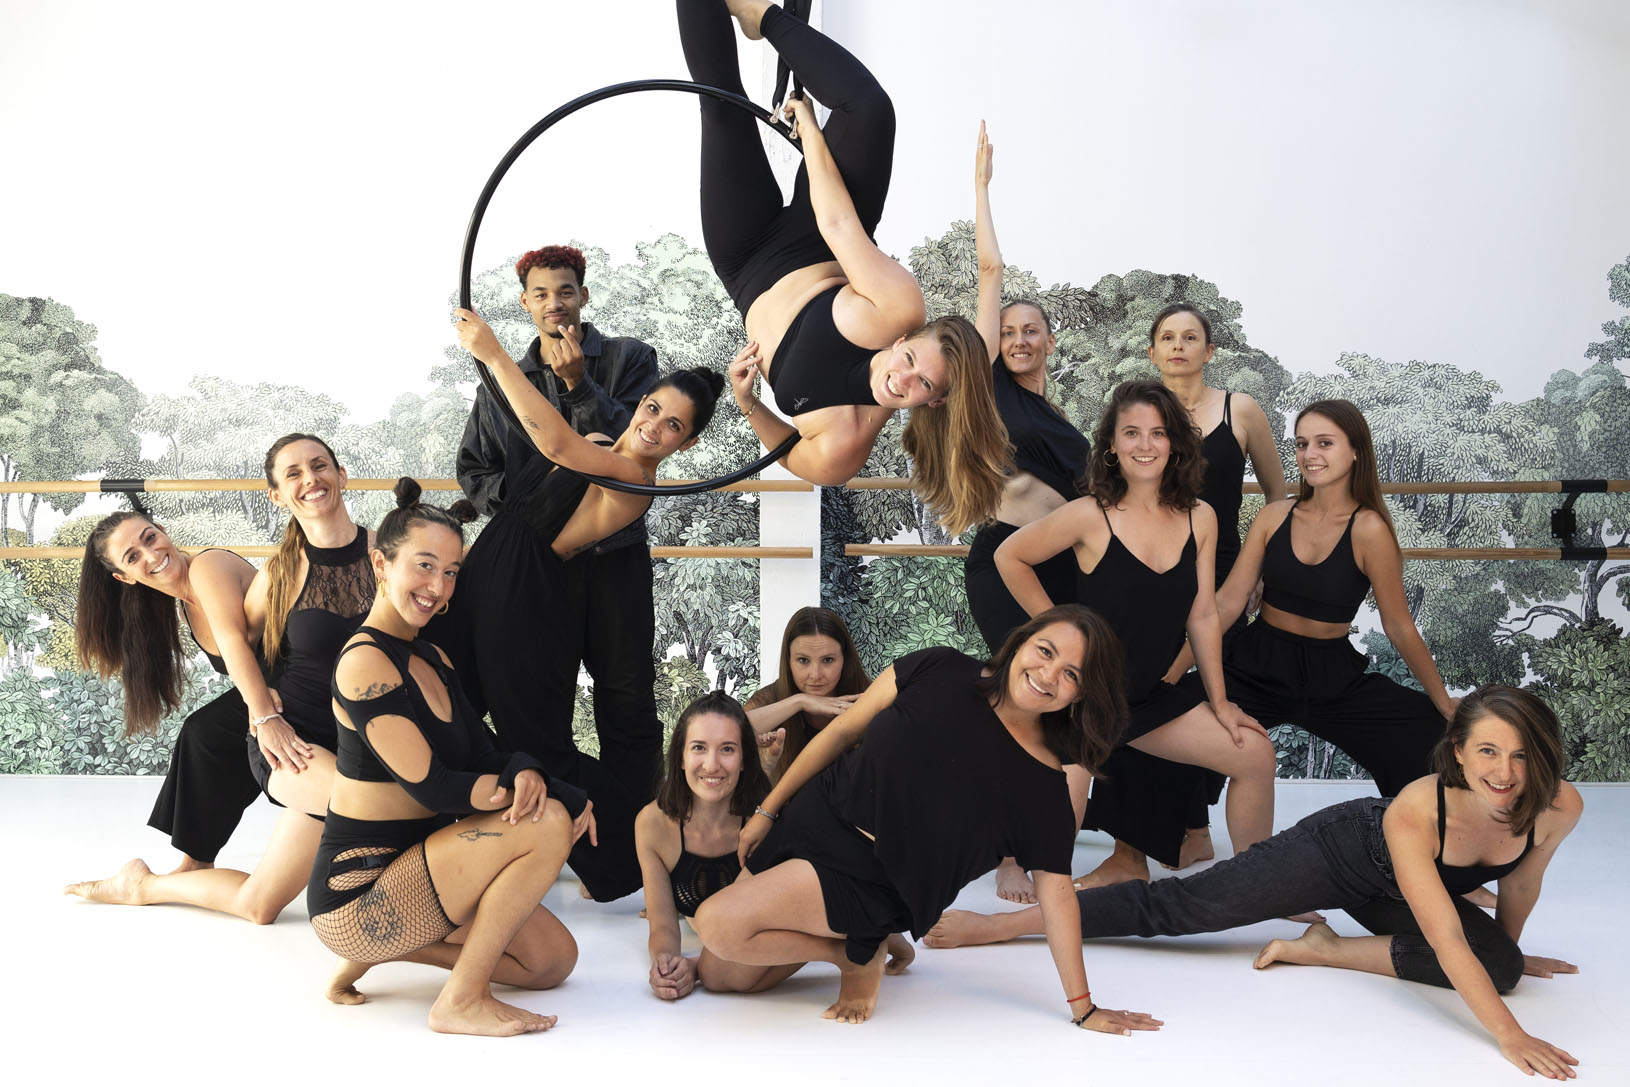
x=982, y=155
x=566, y=357
x=477, y=337
x=744, y=369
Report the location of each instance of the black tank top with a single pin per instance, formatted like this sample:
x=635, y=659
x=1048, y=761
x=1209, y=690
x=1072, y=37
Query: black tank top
x=1148, y=611
x=215, y=660
x=1044, y=442
x=815, y=367
x=695, y=878
x=338, y=592
x=1461, y=878
x=1220, y=487
x=545, y=498
x=1326, y=592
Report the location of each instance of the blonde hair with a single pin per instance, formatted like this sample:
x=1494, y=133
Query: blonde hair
x=960, y=454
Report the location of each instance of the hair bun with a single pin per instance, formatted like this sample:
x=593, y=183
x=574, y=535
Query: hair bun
x=407, y=492
x=463, y=511
x=711, y=378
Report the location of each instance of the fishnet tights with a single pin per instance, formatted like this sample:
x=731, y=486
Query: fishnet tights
x=399, y=913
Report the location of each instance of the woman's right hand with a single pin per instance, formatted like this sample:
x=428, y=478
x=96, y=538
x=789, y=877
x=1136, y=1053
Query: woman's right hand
x=826, y=706
x=584, y=824
x=1535, y=1055
x=281, y=747
x=1109, y=1021
x=801, y=115
x=744, y=368
x=477, y=337
x=982, y=156
x=756, y=830
x=672, y=976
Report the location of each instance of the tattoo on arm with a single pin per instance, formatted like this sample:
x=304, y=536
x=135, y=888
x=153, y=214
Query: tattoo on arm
x=372, y=691
x=474, y=833
x=531, y=423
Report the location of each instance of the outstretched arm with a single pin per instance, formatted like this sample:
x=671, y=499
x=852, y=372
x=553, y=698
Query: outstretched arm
x=988, y=317
x=1061, y=919
x=672, y=975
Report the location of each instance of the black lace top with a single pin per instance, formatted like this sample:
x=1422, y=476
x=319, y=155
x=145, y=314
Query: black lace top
x=338, y=592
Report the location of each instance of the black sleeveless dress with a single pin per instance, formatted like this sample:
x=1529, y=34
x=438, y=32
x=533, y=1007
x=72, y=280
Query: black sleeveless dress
x=1220, y=486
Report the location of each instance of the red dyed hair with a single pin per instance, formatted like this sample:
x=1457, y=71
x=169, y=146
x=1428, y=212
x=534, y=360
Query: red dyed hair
x=552, y=256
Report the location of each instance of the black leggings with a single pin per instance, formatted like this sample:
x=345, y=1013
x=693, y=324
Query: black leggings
x=752, y=239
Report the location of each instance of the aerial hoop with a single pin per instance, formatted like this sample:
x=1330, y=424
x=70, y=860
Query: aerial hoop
x=480, y=211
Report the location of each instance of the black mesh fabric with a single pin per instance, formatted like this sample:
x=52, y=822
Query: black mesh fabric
x=399, y=912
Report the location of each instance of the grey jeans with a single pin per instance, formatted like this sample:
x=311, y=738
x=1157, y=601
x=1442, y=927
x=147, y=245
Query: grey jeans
x=1334, y=859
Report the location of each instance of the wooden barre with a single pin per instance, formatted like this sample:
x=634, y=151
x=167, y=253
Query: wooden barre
x=260, y=551
x=1524, y=486
x=958, y=551
x=169, y=486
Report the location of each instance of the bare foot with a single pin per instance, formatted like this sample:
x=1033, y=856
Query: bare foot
x=342, y=987
x=485, y=1015
x=1482, y=897
x=901, y=954
x=124, y=888
x=1311, y=917
x=188, y=864
x=857, y=990
x=643, y=915
x=1013, y=884
x=583, y=891
x=749, y=13
x=1196, y=848
x=1116, y=868
x=1313, y=948
x=961, y=928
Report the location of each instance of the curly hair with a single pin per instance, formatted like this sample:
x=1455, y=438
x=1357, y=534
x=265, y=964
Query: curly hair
x=1185, y=468
x=552, y=256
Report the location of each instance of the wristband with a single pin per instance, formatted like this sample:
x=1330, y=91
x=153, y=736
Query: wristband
x=765, y=814
x=1084, y=996
x=1090, y=1009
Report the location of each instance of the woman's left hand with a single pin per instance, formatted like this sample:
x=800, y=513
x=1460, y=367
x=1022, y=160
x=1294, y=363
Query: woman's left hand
x=1237, y=722
x=584, y=823
x=744, y=369
x=1454, y=704
x=758, y=826
x=1109, y=1021
x=530, y=794
x=477, y=337
x=801, y=115
x=1538, y=966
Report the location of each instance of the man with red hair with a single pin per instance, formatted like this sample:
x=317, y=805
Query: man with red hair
x=596, y=382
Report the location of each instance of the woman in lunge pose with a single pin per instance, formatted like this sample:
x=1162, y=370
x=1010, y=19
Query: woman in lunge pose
x=1497, y=809
x=1143, y=544
x=821, y=676
x=397, y=878
x=522, y=568
x=961, y=764
x=306, y=601
x=834, y=324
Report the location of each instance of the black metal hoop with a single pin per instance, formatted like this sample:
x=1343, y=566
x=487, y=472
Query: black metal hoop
x=504, y=408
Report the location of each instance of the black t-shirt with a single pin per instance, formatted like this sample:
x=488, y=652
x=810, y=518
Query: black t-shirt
x=946, y=789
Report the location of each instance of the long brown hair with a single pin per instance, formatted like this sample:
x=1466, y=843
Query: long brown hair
x=1539, y=733
x=674, y=797
x=960, y=454
x=283, y=567
x=1365, y=478
x=131, y=631
x=1087, y=732
x=1185, y=467
x=852, y=680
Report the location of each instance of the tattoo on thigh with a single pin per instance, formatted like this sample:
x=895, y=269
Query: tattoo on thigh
x=473, y=833
x=376, y=916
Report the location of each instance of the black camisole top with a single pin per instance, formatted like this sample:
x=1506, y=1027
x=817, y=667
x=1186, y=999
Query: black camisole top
x=215, y=659
x=695, y=878
x=1220, y=486
x=815, y=367
x=1044, y=442
x=1461, y=878
x=1326, y=592
x=338, y=592
x=1148, y=610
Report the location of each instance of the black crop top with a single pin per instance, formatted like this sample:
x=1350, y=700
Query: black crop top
x=461, y=750
x=695, y=878
x=1044, y=442
x=1461, y=878
x=1326, y=592
x=815, y=367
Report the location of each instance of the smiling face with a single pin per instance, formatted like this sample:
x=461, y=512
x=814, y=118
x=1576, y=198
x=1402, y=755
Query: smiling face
x=555, y=299
x=816, y=662
x=661, y=424
x=1180, y=348
x=1324, y=454
x=1045, y=675
x=712, y=756
x=1026, y=340
x=418, y=582
x=1141, y=441
x=142, y=554
x=308, y=482
x=1493, y=761
x=912, y=373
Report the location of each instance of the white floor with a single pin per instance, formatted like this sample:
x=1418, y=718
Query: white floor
x=118, y=995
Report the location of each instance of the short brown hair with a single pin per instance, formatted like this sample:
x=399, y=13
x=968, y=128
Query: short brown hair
x=1539, y=733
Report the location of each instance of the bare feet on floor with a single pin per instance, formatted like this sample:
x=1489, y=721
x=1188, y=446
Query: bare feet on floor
x=1312, y=948
x=1196, y=848
x=857, y=990
x=342, y=988
x=485, y=1015
x=1013, y=884
x=123, y=888
x=901, y=954
x=1116, y=868
x=960, y=928
x=749, y=13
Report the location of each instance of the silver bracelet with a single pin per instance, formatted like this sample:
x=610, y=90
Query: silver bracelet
x=256, y=722
x=765, y=814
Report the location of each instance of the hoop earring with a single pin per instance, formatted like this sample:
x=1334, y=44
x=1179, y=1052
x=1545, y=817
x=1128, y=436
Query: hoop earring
x=445, y=604
x=1106, y=454
x=1174, y=459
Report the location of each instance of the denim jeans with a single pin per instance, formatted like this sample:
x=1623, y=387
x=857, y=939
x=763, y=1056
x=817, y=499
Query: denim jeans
x=1334, y=859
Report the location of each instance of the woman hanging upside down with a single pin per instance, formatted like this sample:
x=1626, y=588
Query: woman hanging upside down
x=834, y=324
x=1497, y=809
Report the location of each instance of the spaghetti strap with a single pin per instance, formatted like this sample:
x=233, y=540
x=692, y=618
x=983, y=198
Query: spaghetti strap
x=1442, y=819
x=682, y=823
x=1105, y=512
x=1228, y=410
